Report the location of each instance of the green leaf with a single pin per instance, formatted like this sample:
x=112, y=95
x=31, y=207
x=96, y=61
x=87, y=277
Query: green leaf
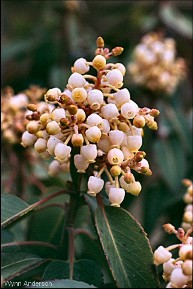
x=15, y=208
x=11, y=206
x=171, y=160
x=50, y=220
x=169, y=14
x=126, y=248
x=84, y=270
x=16, y=48
x=6, y=236
x=15, y=263
x=63, y=284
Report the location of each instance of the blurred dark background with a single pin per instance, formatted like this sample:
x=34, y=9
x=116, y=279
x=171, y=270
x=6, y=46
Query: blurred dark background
x=42, y=39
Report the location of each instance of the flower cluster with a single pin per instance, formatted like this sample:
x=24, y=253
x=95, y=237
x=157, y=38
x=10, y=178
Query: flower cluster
x=155, y=65
x=178, y=271
x=95, y=115
x=13, y=111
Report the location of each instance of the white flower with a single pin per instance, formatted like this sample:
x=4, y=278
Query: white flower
x=79, y=94
x=109, y=185
x=168, y=267
x=178, y=279
x=53, y=95
x=104, y=143
x=81, y=66
x=185, y=252
x=53, y=127
x=95, y=98
x=134, y=142
x=77, y=140
x=57, y=114
x=116, y=196
x=115, y=156
x=120, y=67
x=54, y=168
x=161, y=255
x=187, y=267
x=80, y=163
x=40, y=145
x=126, y=152
x=116, y=137
x=129, y=109
x=62, y=152
x=95, y=185
x=121, y=97
x=28, y=139
x=123, y=184
x=134, y=188
x=76, y=80
x=93, y=134
x=95, y=120
x=52, y=142
x=114, y=77
x=109, y=111
x=105, y=126
x=89, y=152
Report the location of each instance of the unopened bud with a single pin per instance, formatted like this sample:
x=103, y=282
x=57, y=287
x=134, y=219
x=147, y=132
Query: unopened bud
x=29, y=117
x=139, y=156
x=186, y=182
x=32, y=107
x=129, y=178
x=32, y=127
x=152, y=125
x=117, y=51
x=139, y=121
x=77, y=140
x=154, y=112
x=100, y=42
x=146, y=171
x=169, y=228
x=44, y=118
x=64, y=121
x=115, y=171
x=64, y=99
x=99, y=62
x=73, y=109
